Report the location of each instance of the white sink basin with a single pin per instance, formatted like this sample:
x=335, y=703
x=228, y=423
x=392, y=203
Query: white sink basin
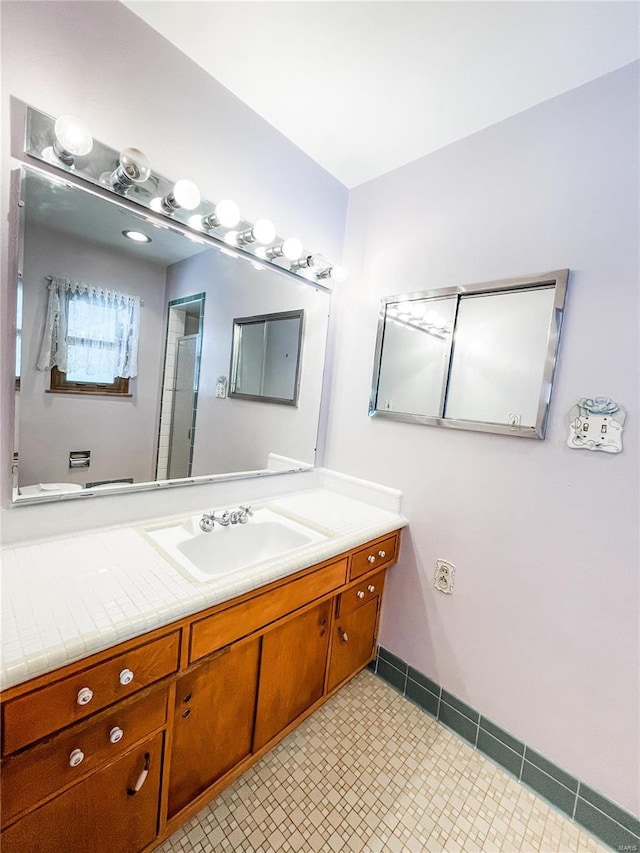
x=228, y=549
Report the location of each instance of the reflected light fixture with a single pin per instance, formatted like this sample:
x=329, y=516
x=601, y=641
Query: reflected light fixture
x=72, y=139
x=185, y=194
x=291, y=249
x=263, y=231
x=136, y=236
x=133, y=168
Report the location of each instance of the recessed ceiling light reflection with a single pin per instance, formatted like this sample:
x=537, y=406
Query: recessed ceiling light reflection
x=136, y=236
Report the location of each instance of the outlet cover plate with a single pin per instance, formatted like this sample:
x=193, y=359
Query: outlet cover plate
x=444, y=576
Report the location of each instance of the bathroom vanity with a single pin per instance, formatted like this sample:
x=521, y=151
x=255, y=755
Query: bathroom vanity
x=116, y=750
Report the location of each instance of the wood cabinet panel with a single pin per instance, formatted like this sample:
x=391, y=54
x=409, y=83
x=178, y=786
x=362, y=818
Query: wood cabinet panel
x=56, y=706
x=213, y=721
x=242, y=619
x=99, y=814
x=294, y=658
x=353, y=643
x=34, y=774
x=360, y=594
x=374, y=556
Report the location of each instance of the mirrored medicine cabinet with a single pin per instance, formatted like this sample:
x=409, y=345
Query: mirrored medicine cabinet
x=477, y=357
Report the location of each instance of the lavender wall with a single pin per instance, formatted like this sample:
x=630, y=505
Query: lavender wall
x=102, y=63
x=541, y=633
x=120, y=433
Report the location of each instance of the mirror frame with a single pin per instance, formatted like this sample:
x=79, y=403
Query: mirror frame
x=557, y=279
x=238, y=322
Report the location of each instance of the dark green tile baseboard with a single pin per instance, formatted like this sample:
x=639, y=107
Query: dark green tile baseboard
x=595, y=813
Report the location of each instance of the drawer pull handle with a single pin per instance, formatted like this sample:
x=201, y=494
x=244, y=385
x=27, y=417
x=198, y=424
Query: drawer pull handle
x=76, y=757
x=126, y=677
x=371, y=588
x=116, y=734
x=382, y=554
x=142, y=778
x=371, y=558
x=85, y=695
x=186, y=713
x=343, y=635
x=360, y=593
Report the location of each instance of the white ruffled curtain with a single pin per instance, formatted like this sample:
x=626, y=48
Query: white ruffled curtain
x=90, y=330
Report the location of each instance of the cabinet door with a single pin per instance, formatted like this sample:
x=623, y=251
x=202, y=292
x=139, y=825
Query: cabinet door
x=294, y=658
x=101, y=814
x=353, y=642
x=213, y=722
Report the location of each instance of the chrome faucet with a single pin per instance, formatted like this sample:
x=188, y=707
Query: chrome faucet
x=236, y=516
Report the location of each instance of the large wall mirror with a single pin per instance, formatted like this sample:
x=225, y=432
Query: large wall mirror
x=169, y=419
x=479, y=357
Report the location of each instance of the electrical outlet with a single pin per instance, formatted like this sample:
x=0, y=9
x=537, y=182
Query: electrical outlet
x=444, y=576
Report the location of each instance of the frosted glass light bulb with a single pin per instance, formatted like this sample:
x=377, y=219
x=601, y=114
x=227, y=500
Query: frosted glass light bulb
x=227, y=213
x=72, y=139
x=231, y=238
x=292, y=249
x=264, y=231
x=318, y=263
x=338, y=274
x=195, y=221
x=133, y=168
x=186, y=195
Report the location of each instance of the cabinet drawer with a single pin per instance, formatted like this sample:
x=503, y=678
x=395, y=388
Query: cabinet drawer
x=373, y=556
x=102, y=814
x=51, y=708
x=361, y=594
x=46, y=768
x=225, y=627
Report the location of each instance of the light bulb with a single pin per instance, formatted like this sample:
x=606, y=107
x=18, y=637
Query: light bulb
x=338, y=274
x=137, y=236
x=195, y=221
x=318, y=263
x=72, y=139
x=227, y=213
x=263, y=231
x=430, y=317
x=231, y=238
x=133, y=168
x=186, y=195
x=261, y=252
x=290, y=249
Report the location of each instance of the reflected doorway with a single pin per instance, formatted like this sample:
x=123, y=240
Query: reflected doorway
x=180, y=387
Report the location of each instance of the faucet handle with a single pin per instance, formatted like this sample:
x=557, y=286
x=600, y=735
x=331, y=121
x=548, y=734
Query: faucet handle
x=244, y=513
x=207, y=522
x=246, y=509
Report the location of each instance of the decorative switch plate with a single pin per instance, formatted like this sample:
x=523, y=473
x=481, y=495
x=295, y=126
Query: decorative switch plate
x=596, y=423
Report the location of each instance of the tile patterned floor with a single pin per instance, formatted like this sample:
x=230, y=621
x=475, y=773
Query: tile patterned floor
x=369, y=771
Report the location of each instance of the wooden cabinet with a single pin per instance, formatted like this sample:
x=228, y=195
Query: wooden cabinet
x=102, y=814
x=213, y=721
x=178, y=713
x=294, y=658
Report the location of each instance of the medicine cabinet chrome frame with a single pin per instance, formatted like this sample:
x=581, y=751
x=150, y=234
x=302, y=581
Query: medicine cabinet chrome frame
x=235, y=356
x=557, y=279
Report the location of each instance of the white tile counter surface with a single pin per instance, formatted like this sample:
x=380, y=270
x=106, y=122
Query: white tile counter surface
x=66, y=598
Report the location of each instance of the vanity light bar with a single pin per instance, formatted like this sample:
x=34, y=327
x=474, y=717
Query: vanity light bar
x=68, y=145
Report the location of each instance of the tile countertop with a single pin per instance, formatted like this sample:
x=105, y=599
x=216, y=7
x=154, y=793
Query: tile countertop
x=66, y=598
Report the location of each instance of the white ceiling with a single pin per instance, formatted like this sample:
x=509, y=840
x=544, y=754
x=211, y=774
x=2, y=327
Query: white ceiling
x=364, y=87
